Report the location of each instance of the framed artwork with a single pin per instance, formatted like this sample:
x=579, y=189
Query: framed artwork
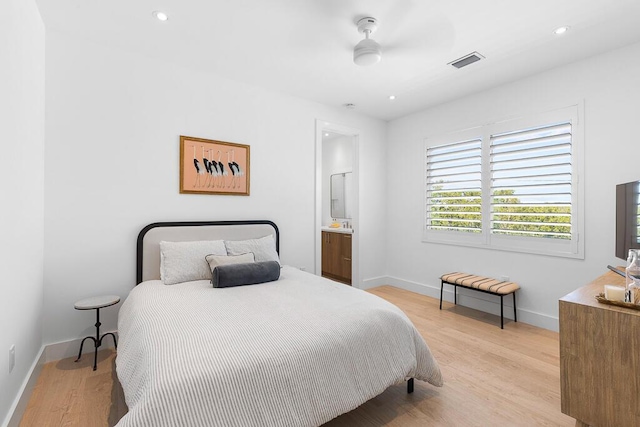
x=213, y=167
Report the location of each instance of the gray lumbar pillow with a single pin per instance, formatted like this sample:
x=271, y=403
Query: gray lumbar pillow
x=224, y=276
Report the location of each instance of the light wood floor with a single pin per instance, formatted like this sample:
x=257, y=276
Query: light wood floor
x=492, y=377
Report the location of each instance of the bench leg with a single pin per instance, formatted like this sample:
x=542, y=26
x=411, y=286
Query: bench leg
x=410, y=386
x=515, y=315
x=441, y=288
x=455, y=294
x=501, y=313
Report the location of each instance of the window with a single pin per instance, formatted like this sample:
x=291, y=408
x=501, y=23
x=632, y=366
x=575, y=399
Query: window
x=455, y=186
x=511, y=185
x=531, y=182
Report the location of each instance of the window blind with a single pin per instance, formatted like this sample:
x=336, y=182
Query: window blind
x=454, y=186
x=531, y=182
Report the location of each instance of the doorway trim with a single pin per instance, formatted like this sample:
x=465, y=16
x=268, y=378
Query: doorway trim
x=324, y=125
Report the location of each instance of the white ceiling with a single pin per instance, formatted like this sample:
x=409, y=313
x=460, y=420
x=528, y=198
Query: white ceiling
x=304, y=47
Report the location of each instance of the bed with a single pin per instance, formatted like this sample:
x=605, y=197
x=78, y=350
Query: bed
x=298, y=351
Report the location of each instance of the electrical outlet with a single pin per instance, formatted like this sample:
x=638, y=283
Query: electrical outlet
x=504, y=278
x=303, y=268
x=12, y=357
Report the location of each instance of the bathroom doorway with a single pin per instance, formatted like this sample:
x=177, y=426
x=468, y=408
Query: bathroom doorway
x=337, y=200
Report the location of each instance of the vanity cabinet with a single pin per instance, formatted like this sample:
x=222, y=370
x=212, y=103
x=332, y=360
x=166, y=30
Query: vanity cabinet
x=336, y=256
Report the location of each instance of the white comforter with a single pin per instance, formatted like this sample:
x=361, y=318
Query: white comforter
x=295, y=352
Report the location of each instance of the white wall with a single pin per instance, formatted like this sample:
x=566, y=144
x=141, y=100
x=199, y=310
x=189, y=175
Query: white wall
x=113, y=121
x=608, y=84
x=112, y=160
x=22, y=192
x=337, y=157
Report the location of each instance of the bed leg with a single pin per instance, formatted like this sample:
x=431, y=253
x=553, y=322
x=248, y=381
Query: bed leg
x=410, y=386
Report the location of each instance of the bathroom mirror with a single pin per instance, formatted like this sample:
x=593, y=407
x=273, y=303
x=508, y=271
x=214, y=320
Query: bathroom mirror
x=341, y=195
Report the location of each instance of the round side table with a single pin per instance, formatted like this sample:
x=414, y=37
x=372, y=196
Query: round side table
x=96, y=303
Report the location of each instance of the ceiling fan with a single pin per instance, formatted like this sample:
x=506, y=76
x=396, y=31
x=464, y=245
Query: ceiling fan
x=367, y=51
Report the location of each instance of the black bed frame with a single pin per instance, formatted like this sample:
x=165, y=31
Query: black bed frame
x=194, y=224
x=209, y=223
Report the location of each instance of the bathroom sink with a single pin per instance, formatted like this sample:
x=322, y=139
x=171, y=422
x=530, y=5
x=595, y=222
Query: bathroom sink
x=337, y=230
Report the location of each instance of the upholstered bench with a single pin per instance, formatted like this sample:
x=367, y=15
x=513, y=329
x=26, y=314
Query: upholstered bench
x=482, y=284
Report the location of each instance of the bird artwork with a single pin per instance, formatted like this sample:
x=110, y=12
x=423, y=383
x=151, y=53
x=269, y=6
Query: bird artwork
x=207, y=166
x=196, y=164
x=235, y=169
x=232, y=182
x=223, y=172
x=237, y=166
x=213, y=171
x=217, y=173
x=204, y=171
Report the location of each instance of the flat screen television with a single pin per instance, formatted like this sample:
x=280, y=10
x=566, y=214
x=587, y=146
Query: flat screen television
x=627, y=218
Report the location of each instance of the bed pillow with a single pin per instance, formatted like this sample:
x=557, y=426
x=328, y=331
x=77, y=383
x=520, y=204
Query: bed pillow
x=217, y=260
x=263, y=248
x=184, y=261
x=225, y=276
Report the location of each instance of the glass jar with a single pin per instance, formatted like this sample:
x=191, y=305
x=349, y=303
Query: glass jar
x=632, y=287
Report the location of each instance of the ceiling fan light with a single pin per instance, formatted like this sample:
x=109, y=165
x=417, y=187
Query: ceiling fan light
x=367, y=52
x=160, y=16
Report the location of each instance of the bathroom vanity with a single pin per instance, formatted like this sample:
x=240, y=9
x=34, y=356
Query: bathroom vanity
x=336, y=254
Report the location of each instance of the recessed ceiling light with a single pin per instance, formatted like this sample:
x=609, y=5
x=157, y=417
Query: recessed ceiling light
x=560, y=30
x=161, y=16
x=392, y=97
x=326, y=134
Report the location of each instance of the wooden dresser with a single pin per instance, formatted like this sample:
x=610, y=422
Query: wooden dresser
x=599, y=358
x=336, y=256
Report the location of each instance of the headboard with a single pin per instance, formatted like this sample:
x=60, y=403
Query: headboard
x=148, y=247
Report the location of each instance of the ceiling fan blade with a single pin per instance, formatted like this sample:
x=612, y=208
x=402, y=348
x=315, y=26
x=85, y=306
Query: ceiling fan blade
x=436, y=35
x=394, y=16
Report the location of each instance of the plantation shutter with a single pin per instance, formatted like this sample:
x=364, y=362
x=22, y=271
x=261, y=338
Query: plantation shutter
x=531, y=182
x=454, y=186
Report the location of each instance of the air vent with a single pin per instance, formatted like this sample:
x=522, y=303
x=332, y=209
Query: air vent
x=466, y=60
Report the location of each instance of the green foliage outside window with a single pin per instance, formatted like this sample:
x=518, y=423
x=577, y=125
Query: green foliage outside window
x=461, y=211
x=456, y=210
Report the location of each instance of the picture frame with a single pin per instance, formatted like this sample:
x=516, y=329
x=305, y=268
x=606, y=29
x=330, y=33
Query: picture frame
x=214, y=167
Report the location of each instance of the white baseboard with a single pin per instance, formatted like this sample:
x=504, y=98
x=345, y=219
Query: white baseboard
x=48, y=353
x=22, y=400
x=374, y=282
x=472, y=299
